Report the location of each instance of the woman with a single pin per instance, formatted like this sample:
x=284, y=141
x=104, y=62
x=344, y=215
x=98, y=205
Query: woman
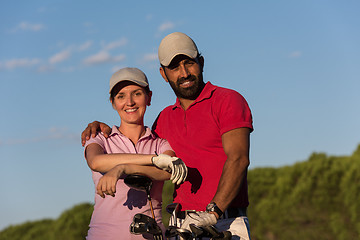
x=131, y=148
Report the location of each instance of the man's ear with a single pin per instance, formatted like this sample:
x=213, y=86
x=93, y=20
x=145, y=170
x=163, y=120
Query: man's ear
x=149, y=98
x=201, y=62
x=163, y=74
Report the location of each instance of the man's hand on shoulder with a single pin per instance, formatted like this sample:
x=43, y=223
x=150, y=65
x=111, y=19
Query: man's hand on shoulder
x=92, y=129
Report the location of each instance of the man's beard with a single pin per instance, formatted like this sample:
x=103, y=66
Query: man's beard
x=192, y=92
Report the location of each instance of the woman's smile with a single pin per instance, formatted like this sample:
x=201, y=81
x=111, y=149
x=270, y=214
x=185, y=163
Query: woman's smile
x=131, y=110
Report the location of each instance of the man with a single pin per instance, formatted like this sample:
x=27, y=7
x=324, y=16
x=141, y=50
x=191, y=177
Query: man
x=209, y=129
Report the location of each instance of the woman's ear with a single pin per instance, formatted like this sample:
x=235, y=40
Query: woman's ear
x=149, y=98
x=112, y=103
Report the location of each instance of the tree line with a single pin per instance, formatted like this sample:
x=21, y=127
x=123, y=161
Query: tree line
x=314, y=199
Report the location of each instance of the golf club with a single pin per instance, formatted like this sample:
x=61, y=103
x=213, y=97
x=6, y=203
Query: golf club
x=142, y=183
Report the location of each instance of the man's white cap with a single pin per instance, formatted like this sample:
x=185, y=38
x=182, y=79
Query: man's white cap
x=175, y=44
x=129, y=74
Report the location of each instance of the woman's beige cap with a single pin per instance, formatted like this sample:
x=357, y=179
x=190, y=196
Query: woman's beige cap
x=129, y=74
x=175, y=44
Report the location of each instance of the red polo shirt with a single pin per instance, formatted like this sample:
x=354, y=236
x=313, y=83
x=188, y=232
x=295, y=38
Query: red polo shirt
x=195, y=136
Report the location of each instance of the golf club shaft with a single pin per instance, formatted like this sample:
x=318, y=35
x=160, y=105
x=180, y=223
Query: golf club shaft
x=152, y=210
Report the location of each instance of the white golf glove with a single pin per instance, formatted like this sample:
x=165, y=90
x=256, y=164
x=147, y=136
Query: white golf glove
x=200, y=219
x=174, y=165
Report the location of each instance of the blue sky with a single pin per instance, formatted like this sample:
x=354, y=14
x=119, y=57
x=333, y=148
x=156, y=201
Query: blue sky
x=296, y=62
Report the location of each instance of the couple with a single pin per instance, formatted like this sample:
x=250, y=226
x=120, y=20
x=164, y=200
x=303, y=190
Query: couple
x=208, y=128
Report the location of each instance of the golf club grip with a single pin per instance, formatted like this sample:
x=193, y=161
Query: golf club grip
x=158, y=237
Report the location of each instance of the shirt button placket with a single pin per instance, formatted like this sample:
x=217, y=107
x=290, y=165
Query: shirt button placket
x=185, y=125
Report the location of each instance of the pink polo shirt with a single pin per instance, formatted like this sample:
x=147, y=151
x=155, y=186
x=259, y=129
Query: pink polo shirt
x=195, y=135
x=112, y=216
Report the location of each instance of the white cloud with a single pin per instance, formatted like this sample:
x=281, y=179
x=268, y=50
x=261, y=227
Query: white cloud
x=90, y=28
x=65, y=54
x=60, y=57
x=60, y=133
x=115, y=44
x=85, y=46
x=53, y=133
x=20, y=62
x=100, y=57
x=103, y=57
x=116, y=68
x=87, y=24
x=26, y=26
x=150, y=57
x=45, y=68
x=119, y=58
x=295, y=54
x=42, y=9
x=68, y=69
x=149, y=17
x=166, y=26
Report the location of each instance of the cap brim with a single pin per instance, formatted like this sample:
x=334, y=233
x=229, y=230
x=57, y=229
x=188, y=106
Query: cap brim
x=190, y=53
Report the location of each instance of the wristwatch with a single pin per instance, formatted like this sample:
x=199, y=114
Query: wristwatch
x=212, y=207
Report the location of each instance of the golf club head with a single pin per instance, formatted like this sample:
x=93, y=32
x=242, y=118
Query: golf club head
x=171, y=231
x=138, y=182
x=144, y=224
x=170, y=208
x=185, y=234
x=212, y=231
x=227, y=235
x=197, y=231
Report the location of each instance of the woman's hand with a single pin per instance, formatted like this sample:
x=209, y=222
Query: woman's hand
x=107, y=183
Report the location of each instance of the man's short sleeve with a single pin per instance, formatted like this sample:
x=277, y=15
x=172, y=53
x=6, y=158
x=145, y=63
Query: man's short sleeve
x=234, y=112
